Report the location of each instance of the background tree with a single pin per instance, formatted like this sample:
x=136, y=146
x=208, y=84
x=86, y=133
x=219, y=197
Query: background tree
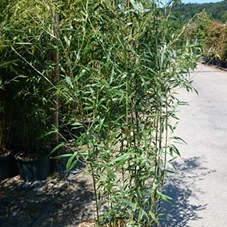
x=214, y=10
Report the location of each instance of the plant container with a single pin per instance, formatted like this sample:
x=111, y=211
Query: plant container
x=34, y=169
x=218, y=63
x=223, y=64
x=214, y=61
x=5, y=166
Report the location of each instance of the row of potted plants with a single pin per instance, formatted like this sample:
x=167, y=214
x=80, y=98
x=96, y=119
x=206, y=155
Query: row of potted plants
x=22, y=129
x=215, y=44
x=215, y=61
x=212, y=36
x=28, y=169
x=26, y=101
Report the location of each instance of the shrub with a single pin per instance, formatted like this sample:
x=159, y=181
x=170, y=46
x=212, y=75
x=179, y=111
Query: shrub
x=119, y=67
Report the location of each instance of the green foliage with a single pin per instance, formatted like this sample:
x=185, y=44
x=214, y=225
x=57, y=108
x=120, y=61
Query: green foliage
x=25, y=46
x=205, y=28
x=120, y=73
x=216, y=41
x=3, y=6
x=196, y=29
x=215, y=10
x=224, y=16
x=120, y=67
x=202, y=22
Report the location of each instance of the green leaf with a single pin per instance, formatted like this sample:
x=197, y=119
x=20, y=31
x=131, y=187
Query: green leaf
x=61, y=156
x=23, y=43
x=174, y=150
x=71, y=161
x=57, y=147
x=120, y=161
x=69, y=81
x=138, y=6
x=110, y=173
x=178, y=140
x=164, y=197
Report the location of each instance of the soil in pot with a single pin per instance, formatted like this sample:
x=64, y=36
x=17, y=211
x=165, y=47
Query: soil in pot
x=33, y=168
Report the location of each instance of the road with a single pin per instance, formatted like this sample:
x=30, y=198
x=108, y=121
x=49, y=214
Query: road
x=199, y=189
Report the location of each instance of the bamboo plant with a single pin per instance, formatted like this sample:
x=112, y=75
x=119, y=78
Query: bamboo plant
x=122, y=69
x=27, y=37
x=119, y=66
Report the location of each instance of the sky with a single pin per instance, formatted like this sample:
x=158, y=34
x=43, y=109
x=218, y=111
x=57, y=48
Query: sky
x=200, y=1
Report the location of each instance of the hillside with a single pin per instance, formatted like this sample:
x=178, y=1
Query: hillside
x=218, y=11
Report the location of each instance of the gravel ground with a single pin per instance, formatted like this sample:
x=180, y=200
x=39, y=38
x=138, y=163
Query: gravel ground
x=61, y=200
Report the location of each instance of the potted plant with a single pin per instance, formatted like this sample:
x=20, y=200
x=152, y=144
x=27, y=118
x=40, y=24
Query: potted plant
x=5, y=156
x=24, y=118
x=30, y=98
x=33, y=168
x=33, y=161
x=6, y=159
x=34, y=147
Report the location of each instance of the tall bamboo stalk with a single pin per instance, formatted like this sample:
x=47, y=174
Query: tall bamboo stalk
x=55, y=78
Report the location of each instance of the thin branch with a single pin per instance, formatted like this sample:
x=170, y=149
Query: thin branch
x=41, y=74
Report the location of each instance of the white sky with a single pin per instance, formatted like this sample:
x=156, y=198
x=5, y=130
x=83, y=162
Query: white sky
x=200, y=1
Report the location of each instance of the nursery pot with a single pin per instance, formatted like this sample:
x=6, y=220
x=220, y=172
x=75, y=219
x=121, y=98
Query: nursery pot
x=223, y=64
x=13, y=165
x=218, y=63
x=5, y=166
x=33, y=169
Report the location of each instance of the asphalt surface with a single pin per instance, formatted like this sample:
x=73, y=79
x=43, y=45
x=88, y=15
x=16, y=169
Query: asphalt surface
x=199, y=189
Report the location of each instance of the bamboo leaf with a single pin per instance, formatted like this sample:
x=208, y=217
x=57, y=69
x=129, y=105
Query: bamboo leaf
x=71, y=161
x=57, y=147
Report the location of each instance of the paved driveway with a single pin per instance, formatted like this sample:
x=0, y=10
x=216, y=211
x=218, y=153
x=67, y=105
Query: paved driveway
x=199, y=190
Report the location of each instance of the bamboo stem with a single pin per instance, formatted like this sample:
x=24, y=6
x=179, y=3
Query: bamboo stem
x=56, y=73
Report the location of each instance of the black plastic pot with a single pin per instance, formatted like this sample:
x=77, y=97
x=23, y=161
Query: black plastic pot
x=206, y=60
x=13, y=166
x=5, y=166
x=214, y=61
x=35, y=169
x=218, y=63
x=223, y=64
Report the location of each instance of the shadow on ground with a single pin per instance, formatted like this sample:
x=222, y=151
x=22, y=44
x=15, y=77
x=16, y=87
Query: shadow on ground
x=58, y=201
x=180, y=187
